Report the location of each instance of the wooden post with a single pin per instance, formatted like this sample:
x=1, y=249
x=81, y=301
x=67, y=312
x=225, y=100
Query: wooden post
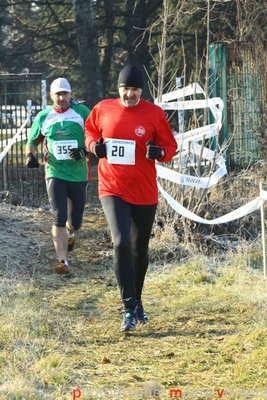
x=263, y=235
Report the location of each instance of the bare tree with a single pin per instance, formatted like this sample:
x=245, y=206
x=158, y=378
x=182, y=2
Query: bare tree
x=87, y=38
x=88, y=41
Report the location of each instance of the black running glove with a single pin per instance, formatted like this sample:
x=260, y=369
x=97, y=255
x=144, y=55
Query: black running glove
x=100, y=149
x=153, y=151
x=79, y=153
x=31, y=161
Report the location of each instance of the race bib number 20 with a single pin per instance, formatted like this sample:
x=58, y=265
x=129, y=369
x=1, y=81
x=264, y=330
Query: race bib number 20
x=120, y=151
x=61, y=148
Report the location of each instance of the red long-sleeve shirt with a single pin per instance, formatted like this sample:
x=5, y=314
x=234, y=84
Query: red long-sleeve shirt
x=135, y=182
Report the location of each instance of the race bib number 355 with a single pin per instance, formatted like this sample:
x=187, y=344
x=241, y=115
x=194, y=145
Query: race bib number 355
x=120, y=151
x=62, y=148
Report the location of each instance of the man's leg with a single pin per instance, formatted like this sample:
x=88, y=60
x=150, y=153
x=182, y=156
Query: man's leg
x=57, y=194
x=77, y=192
x=60, y=238
x=142, y=222
x=118, y=214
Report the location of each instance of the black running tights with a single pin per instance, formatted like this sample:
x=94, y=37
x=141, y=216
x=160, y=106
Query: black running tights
x=131, y=227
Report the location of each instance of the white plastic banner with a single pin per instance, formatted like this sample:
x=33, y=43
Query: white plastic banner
x=189, y=180
x=192, y=137
x=233, y=215
x=16, y=137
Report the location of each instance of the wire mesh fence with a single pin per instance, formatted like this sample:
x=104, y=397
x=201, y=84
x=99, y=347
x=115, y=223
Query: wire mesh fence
x=240, y=79
x=22, y=96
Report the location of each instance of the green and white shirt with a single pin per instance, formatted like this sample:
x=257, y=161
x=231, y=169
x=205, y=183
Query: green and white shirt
x=61, y=131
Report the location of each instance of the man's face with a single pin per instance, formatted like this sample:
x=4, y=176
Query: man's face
x=129, y=95
x=61, y=99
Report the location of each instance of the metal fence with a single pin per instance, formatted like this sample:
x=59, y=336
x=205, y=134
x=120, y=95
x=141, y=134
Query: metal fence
x=22, y=96
x=238, y=76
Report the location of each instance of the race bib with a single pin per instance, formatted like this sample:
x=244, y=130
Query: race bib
x=61, y=148
x=120, y=151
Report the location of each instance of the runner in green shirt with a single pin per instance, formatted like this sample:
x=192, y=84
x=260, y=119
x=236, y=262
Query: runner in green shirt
x=67, y=165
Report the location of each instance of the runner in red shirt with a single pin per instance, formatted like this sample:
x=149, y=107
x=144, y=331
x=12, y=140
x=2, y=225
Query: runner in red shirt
x=128, y=134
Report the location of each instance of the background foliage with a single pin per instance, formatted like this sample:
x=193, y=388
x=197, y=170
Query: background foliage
x=90, y=41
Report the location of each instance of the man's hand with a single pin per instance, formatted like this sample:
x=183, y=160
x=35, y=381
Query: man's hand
x=100, y=148
x=31, y=161
x=79, y=153
x=153, y=151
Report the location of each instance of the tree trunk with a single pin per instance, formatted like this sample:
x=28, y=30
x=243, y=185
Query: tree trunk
x=137, y=38
x=107, y=51
x=88, y=51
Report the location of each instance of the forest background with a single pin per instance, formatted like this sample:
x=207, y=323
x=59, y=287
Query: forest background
x=89, y=41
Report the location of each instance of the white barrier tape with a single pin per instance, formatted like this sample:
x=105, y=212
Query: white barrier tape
x=6, y=142
x=189, y=180
x=197, y=134
x=263, y=194
x=193, y=136
x=189, y=90
x=217, y=111
x=207, y=153
x=193, y=104
x=13, y=140
x=216, y=106
x=233, y=215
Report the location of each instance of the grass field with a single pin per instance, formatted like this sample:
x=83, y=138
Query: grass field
x=60, y=338
x=206, y=336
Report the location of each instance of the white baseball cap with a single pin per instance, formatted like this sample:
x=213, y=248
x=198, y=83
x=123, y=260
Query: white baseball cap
x=60, y=85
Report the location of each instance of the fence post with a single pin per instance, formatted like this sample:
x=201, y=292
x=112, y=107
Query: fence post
x=5, y=175
x=263, y=234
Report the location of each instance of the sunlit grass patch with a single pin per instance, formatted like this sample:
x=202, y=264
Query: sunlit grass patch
x=207, y=322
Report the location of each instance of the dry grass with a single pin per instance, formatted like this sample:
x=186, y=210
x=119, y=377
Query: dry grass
x=207, y=318
x=207, y=330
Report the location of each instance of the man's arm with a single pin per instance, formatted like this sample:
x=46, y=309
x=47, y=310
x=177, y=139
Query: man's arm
x=30, y=149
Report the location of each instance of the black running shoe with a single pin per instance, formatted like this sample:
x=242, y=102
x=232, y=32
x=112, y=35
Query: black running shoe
x=129, y=321
x=140, y=313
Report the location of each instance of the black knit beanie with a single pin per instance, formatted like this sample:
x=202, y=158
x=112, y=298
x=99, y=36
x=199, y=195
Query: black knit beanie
x=131, y=76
